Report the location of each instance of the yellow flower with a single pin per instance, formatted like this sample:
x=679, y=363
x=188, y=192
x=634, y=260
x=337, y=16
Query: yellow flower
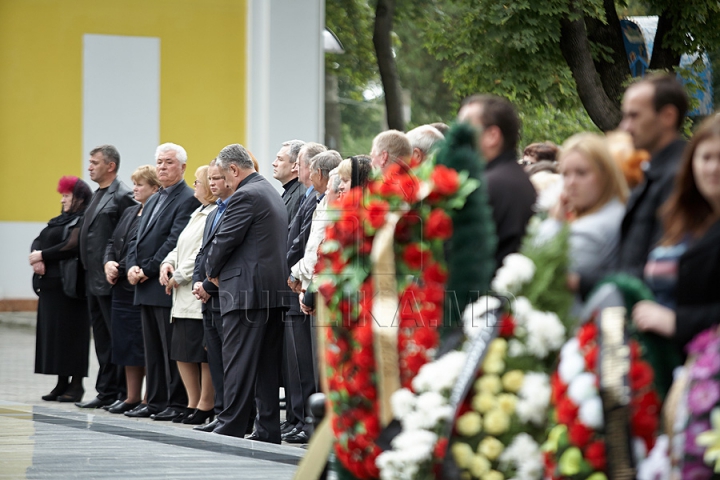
x=711, y=440
x=466, y=476
x=496, y=422
x=551, y=444
x=493, y=364
x=484, y=402
x=462, y=453
x=507, y=402
x=469, y=424
x=488, y=383
x=479, y=465
x=491, y=447
x=570, y=462
x=493, y=475
x=513, y=380
x=597, y=476
x=498, y=346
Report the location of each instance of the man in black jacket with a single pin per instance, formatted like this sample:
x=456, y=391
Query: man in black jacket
x=510, y=192
x=653, y=113
x=165, y=215
x=285, y=170
x=104, y=211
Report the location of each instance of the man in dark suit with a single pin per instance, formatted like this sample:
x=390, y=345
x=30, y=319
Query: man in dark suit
x=510, y=192
x=103, y=213
x=285, y=170
x=207, y=292
x=165, y=215
x=298, y=362
x=653, y=114
x=247, y=260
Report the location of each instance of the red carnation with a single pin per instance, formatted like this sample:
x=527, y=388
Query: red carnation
x=435, y=273
x=445, y=179
x=376, y=211
x=595, y=455
x=440, y=449
x=591, y=358
x=558, y=387
x=641, y=375
x=579, y=434
x=430, y=315
x=438, y=225
x=364, y=358
x=327, y=290
x=566, y=411
x=587, y=333
x=363, y=335
x=507, y=326
x=415, y=360
x=426, y=337
x=415, y=257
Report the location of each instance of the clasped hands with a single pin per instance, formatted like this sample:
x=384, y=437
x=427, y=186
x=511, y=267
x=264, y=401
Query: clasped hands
x=166, y=278
x=136, y=275
x=37, y=263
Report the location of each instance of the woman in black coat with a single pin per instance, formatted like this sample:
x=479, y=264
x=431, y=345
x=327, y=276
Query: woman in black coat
x=127, y=336
x=63, y=325
x=685, y=268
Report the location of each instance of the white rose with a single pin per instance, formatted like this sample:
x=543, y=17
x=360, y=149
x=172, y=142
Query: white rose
x=591, y=413
x=570, y=367
x=402, y=403
x=582, y=387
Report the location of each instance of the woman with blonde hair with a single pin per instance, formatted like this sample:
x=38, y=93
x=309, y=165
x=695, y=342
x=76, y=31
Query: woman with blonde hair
x=186, y=346
x=592, y=202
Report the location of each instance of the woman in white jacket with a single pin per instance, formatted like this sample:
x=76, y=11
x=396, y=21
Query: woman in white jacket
x=187, y=346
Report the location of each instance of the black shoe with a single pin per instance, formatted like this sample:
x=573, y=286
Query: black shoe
x=94, y=403
x=285, y=427
x=141, y=411
x=166, y=415
x=253, y=436
x=209, y=427
x=294, y=431
x=198, y=417
x=123, y=407
x=183, y=415
x=57, y=391
x=299, y=437
x=72, y=395
x=114, y=404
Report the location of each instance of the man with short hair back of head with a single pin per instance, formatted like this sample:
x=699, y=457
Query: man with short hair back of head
x=510, y=192
x=654, y=110
x=422, y=140
x=388, y=147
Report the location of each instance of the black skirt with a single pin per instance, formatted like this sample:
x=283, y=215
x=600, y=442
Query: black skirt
x=187, y=341
x=62, y=342
x=127, y=336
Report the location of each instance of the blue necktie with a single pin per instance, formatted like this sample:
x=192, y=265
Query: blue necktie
x=220, y=209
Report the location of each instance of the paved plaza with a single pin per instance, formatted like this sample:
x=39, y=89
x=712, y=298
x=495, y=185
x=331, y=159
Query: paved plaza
x=58, y=440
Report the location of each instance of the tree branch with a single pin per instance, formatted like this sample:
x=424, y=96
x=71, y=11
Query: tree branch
x=382, y=41
x=575, y=48
x=663, y=58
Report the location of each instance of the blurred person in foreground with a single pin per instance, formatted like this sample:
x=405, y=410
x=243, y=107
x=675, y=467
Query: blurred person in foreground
x=683, y=270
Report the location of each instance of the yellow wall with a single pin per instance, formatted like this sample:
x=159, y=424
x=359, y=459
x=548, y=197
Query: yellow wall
x=202, y=86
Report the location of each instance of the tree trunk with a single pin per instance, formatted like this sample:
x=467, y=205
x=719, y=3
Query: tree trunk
x=663, y=58
x=575, y=49
x=615, y=69
x=386, y=63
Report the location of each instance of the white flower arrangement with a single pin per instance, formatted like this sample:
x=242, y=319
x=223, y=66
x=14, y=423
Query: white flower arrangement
x=657, y=465
x=524, y=455
x=516, y=271
x=534, y=398
x=473, y=316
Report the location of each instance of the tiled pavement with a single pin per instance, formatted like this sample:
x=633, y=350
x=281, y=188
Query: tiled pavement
x=55, y=440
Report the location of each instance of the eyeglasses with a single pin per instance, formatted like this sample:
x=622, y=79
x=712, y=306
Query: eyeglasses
x=196, y=183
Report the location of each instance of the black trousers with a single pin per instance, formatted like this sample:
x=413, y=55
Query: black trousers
x=163, y=382
x=252, y=351
x=212, y=322
x=300, y=367
x=111, y=378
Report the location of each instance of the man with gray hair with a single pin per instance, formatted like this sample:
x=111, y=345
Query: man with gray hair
x=388, y=147
x=422, y=140
x=246, y=260
x=285, y=170
x=165, y=215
